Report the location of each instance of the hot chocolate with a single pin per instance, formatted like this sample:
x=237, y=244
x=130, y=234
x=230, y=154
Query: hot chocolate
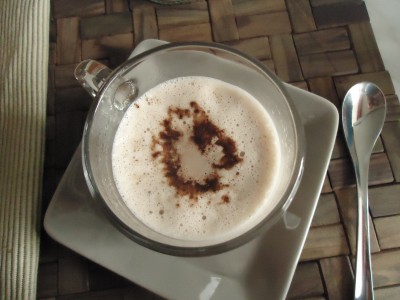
x=194, y=158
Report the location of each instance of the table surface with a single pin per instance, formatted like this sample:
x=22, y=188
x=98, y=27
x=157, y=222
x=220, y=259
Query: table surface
x=323, y=46
x=386, y=26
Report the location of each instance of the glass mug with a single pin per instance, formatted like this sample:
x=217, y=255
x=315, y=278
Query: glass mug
x=115, y=90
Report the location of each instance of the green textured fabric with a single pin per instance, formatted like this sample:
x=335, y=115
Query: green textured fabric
x=24, y=35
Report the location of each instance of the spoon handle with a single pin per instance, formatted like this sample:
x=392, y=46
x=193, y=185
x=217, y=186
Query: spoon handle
x=363, y=275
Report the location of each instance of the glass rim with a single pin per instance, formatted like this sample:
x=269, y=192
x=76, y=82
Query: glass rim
x=187, y=251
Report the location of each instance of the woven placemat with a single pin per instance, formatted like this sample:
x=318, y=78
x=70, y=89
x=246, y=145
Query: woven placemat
x=323, y=46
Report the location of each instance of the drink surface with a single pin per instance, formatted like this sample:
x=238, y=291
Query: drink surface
x=195, y=158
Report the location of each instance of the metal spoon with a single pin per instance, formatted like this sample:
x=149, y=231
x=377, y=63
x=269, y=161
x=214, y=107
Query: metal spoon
x=363, y=115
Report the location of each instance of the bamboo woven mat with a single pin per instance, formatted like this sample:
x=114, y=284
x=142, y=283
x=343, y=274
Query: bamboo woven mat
x=323, y=46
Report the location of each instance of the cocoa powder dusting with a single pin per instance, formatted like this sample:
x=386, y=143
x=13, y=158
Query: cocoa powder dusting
x=204, y=132
x=225, y=199
x=205, y=135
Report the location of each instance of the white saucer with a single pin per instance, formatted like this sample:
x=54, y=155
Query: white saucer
x=260, y=269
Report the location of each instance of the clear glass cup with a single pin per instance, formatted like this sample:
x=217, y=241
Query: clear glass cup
x=115, y=90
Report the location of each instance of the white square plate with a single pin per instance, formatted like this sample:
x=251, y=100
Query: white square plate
x=261, y=269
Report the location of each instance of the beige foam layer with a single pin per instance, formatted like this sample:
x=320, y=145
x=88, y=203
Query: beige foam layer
x=146, y=190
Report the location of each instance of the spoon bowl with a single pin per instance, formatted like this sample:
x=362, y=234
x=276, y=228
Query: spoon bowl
x=363, y=116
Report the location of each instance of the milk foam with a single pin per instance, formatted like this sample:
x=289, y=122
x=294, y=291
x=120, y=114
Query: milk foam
x=245, y=187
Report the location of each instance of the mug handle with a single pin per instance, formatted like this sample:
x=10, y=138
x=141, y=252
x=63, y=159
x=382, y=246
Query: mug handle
x=92, y=75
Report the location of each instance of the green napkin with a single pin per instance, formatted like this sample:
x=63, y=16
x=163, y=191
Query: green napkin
x=24, y=44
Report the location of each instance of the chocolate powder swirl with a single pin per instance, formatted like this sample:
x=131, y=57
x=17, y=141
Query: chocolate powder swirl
x=205, y=135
